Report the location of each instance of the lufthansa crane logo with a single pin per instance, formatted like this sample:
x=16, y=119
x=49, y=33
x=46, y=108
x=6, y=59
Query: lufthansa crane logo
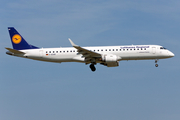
x=16, y=39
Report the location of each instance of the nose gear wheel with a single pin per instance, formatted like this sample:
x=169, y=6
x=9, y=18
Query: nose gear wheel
x=156, y=63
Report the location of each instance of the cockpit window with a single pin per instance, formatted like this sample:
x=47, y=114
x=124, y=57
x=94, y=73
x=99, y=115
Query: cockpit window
x=163, y=48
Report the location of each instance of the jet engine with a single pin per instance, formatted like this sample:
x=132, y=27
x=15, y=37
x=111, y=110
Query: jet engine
x=110, y=60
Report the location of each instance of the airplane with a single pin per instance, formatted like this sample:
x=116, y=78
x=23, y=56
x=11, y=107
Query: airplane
x=105, y=55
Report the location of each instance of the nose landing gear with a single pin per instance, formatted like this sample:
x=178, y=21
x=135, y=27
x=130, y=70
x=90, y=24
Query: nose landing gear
x=92, y=67
x=156, y=63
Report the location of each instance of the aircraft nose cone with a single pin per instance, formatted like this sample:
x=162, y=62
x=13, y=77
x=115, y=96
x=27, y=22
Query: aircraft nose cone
x=171, y=54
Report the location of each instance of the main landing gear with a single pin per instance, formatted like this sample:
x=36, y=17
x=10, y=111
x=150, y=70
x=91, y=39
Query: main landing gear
x=156, y=63
x=92, y=67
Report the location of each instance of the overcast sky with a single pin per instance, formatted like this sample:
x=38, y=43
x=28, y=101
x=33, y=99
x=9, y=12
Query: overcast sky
x=136, y=90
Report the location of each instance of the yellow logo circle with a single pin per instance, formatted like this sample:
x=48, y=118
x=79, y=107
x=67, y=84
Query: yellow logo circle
x=16, y=39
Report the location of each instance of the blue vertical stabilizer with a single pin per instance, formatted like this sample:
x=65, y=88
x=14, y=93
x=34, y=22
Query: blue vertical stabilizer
x=18, y=42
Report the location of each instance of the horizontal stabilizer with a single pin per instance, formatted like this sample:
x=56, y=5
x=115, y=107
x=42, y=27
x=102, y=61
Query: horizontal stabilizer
x=15, y=51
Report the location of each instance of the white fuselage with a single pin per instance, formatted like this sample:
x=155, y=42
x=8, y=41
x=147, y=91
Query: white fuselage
x=70, y=54
x=105, y=55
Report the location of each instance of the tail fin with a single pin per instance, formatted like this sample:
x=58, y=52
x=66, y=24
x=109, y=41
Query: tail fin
x=18, y=41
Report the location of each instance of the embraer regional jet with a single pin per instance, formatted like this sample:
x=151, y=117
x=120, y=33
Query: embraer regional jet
x=105, y=55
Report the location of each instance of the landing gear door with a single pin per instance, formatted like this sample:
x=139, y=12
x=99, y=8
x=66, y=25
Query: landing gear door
x=153, y=50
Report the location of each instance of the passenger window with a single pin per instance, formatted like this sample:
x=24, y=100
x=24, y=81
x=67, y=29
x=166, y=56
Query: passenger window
x=49, y=51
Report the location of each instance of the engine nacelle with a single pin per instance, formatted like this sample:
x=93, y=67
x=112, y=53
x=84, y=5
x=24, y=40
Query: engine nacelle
x=111, y=60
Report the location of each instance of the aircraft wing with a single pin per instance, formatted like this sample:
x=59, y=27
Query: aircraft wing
x=85, y=52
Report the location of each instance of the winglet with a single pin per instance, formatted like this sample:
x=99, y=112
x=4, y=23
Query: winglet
x=72, y=43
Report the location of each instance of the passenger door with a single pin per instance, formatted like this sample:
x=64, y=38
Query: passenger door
x=41, y=53
x=153, y=50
